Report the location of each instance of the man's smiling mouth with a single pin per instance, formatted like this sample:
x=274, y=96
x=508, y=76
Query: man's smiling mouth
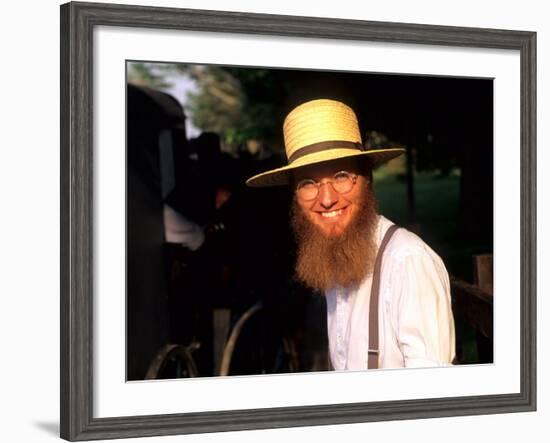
x=331, y=214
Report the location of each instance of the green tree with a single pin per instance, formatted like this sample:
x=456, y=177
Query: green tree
x=240, y=105
x=152, y=75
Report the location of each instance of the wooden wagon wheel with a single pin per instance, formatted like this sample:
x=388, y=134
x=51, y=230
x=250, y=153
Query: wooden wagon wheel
x=173, y=353
x=235, y=333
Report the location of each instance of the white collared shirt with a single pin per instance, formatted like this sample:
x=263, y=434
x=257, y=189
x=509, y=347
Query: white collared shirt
x=416, y=327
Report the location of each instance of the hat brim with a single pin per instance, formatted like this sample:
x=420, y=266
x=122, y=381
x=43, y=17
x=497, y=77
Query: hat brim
x=280, y=176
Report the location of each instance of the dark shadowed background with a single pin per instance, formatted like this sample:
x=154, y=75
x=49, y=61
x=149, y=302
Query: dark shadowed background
x=226, y=300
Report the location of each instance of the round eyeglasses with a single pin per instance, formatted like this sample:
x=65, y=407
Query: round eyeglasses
x=342, y=182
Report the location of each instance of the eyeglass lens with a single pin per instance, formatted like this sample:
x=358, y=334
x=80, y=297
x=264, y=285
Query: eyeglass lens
x=342, y=182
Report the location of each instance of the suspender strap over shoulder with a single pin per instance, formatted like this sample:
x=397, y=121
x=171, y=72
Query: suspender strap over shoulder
x=373, y=304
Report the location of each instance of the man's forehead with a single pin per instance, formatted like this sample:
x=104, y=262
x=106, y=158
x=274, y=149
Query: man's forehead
x=325, y=169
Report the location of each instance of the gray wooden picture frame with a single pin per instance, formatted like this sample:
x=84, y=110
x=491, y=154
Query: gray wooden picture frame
x=77, y=24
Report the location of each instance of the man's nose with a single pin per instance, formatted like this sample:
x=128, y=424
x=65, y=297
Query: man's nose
x=327, y=195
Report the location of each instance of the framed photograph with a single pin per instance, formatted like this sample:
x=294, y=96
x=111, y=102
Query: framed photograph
x=180, y=309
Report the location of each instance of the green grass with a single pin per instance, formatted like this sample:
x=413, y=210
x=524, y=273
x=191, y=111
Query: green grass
x=436, y=203
x=436, y=207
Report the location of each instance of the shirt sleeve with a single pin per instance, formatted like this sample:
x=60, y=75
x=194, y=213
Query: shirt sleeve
x=424, y=321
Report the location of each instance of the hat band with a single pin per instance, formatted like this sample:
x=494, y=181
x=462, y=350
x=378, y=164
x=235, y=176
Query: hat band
x=324, y=146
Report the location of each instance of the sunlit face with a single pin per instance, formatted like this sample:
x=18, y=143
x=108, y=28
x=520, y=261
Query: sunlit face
x=331, y=211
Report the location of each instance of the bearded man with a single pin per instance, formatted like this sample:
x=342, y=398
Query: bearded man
x=387, y=292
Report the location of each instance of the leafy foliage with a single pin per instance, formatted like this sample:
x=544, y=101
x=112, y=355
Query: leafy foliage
x=241, y=105
x=152, y=75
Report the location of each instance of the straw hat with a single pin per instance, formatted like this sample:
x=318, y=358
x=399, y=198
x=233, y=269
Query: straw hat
x=318, y=131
